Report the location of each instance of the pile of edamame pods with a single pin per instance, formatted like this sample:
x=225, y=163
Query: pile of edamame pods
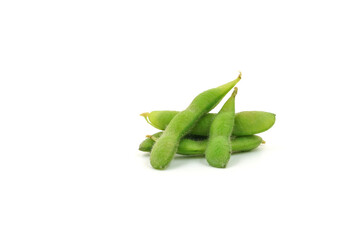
x=195, y=131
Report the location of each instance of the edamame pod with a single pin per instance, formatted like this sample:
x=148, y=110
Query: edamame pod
x=147, y=144
x=218, y=151
x=166, y=146
x=189, y=146
x=245, y=123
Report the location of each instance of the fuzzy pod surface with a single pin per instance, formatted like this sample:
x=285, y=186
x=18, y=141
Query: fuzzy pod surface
x=218, y=151
x=245, y=123
x=166, y=146
x=191, y=146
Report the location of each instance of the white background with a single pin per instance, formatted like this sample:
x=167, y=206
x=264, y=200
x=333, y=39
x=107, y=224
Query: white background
x=75, y=75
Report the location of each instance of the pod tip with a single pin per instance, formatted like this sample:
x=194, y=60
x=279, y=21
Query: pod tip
x=146, y=115
x=263, y=142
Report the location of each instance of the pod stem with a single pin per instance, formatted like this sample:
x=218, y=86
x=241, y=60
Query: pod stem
x=234, y=93
x=145, y=115
x=152, y=137
x=263, y=142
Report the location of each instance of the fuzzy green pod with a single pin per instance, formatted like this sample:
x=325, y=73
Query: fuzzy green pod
x=193, y=146
x=147, y=144
x=166, y=146
x=219, y=150
x=245, y=123
x=252, y=122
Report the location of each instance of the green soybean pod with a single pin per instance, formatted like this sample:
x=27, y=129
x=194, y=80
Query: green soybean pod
x=245, y=143
x=252, y=122
x=146, y=145
x=245, y=123
x=219, y=150
x=190, y=146
x=166, y=146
